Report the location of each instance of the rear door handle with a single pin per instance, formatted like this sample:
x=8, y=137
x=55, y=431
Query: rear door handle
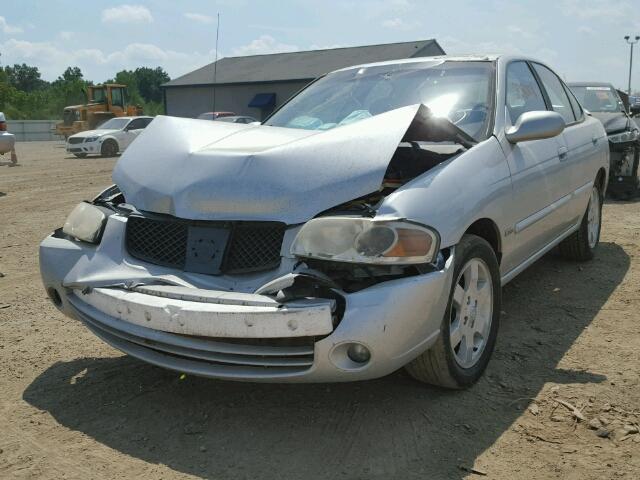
x=594, y=140
x=563, y=153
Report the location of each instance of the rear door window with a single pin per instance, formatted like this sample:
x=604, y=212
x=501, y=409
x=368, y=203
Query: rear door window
x=557, y=95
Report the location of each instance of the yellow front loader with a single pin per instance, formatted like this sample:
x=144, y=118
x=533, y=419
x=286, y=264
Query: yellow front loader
x=103, y=102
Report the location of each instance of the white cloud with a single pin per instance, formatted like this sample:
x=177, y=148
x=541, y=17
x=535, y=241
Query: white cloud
x=623, y=11
x=586, y=30
x=263, y=44
x=399, y=24
x=515, y=30
x=392, y=23
x=127, y=14
x=96, y=64
x=8, y=29
x=199, y=18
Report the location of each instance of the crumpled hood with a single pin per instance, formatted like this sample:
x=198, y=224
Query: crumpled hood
x=204, y=170
x=613, y=121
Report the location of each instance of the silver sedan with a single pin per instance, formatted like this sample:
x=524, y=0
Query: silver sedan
x=367, y=225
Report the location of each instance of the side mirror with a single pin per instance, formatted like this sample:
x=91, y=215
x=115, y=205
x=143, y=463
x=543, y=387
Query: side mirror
x=535, y=126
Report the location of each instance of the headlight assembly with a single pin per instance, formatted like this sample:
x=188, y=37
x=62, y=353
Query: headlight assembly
x=90, y=139
x=630, y=136
x=365, y=240
x=85, y=222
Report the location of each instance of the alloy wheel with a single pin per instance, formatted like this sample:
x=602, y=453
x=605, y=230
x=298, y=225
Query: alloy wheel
x=471, y=312
x=593, y=218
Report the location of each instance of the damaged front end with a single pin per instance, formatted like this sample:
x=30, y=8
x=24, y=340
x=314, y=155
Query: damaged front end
x=292, y=277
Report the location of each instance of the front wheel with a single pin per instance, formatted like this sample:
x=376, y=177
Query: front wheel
x=470, y=325
x=581, y=244
x=109, y=148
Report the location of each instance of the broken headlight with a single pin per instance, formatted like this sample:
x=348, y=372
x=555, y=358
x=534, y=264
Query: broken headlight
x=630, y=136
x=85, y=222
x=366, y=240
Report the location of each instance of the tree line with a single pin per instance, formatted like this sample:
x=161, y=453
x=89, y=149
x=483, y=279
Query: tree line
x=24, y=95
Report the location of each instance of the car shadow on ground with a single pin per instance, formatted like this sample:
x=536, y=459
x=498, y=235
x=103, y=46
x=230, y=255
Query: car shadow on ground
x=393, y=427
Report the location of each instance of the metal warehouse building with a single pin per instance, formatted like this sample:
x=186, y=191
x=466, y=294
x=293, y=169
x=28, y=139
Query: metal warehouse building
x=255, y=85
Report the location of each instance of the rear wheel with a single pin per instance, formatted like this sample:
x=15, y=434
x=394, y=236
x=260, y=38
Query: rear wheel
x=470, y=324
x=582, y=243
x=109, y=148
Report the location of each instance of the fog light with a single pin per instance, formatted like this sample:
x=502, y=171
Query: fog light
x=358, y=353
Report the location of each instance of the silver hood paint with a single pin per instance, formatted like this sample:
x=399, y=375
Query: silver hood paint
x=204, y=170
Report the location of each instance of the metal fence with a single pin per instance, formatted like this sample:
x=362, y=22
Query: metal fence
x=32, y=130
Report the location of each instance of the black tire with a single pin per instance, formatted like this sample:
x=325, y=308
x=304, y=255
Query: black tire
x=80, y=155
x=577, y=246
x=438, y=365
x=109, y=148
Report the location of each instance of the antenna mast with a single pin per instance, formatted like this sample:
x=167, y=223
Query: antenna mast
x=215, y=64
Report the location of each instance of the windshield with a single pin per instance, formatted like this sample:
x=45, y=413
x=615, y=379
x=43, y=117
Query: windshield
x=458, y=91
x=114, y=124
x=98, y=95
x=598, y=99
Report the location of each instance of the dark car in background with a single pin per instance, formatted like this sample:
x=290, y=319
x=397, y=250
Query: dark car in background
x=603, y=102
x=634, y=106
x=215, y=115
x=237, y=119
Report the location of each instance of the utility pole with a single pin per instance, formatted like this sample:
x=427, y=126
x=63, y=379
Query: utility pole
x=631, y=43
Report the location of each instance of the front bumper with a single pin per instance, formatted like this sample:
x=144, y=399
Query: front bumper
x=85, y=147
x=624, y=159
x=202, y=329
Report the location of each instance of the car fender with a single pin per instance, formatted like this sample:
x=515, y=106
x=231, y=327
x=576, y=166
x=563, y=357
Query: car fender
x=452, y=196
x=106, y=137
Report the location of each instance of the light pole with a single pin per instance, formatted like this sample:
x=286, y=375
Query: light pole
x=632, y=43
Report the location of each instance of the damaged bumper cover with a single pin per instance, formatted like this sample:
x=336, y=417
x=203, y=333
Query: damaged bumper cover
x=210, y=326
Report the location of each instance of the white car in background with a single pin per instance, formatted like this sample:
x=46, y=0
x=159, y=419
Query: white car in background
x=111, y=138
x=7, y=140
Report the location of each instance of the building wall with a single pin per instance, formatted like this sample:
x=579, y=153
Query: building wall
x=191, y=101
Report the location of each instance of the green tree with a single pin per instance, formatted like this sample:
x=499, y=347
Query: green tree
x=149, y=81
x=24, y=78
x=71, y=74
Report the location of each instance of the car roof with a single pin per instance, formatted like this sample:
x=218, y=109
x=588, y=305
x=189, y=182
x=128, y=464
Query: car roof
x=590, y=84
x=437, y=58
x=131, y=118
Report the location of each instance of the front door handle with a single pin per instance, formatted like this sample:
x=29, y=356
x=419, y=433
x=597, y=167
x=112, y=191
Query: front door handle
x=563, y=153
x=594, y=140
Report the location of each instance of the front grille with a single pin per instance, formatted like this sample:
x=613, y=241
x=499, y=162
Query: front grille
x=75, y=140
x=254, y=245
x=244, y=246
x=160, y=242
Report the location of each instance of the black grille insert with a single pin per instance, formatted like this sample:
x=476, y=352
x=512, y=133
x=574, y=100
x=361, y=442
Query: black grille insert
x=73, y=140
x=160, y=242
x=251, y=246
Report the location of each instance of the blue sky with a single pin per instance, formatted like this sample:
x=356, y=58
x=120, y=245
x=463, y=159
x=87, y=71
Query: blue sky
x=581, y=39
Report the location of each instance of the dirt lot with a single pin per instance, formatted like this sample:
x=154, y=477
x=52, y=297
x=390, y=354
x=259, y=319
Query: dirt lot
x=72, y=407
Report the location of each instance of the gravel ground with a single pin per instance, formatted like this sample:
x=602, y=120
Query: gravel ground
x=561, y=397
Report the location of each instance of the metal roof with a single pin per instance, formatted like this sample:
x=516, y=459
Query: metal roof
x=305, y=65
x=589, y=84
